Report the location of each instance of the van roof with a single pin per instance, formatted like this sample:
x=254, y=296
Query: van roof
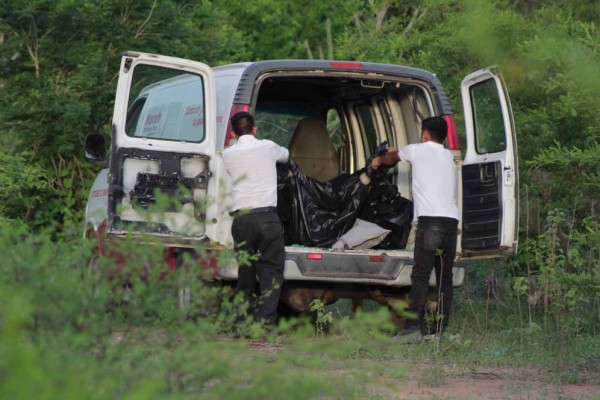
x=251, y=70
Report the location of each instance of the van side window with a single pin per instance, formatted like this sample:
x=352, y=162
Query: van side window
x=334, y=127
x=488, y=120
x=414, y=107
x=278, y=125
x=133, y=116
x=165, y=104
x=367, y=125
x=385, y=116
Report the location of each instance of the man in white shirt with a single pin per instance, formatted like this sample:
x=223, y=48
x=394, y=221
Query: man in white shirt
x=434, y=180
x=256, y=229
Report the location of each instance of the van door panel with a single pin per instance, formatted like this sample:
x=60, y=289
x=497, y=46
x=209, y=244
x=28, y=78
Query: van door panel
x=482, y=215
x=489, y=173
x=163, y=139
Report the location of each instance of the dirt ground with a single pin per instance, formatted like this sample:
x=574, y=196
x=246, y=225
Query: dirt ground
x=430, y=381
x=494, y=385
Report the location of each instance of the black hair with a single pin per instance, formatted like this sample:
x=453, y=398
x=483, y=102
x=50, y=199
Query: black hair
x=437, y=128
x=242, y=123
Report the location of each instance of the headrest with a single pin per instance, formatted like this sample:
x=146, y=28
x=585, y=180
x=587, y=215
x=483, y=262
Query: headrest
x=311, y=140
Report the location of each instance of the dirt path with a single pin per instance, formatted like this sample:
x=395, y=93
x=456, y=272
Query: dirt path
x=486, y=387
x=426, y=382
x=432, y=381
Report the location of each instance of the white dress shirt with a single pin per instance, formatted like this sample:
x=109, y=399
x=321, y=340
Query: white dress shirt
x=434, y=179
x=251, y=165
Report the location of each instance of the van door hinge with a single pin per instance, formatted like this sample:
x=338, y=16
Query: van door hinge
x=127, y=66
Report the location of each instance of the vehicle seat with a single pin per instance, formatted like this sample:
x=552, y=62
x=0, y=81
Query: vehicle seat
x=312, y=150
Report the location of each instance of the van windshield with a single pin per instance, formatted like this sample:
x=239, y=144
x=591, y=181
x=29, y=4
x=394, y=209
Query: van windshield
x=165, y=104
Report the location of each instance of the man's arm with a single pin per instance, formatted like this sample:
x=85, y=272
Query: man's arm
x=281, y=153
x=391, y=158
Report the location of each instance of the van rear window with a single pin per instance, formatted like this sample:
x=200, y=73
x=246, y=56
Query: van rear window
x=165, y=104
x=488, y=119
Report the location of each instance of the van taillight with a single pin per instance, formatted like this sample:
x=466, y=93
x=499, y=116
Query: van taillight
x=453, y=139
x=346, y=65
x=314, y=256
x=236, y=108
x=380, y=258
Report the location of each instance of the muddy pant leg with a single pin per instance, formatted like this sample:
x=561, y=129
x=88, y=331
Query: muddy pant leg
x=246, y=282
x=441, y=289
x=270, y=267
x=244, y=238
x=444, y=265
x=425, y=247
x=270, y=280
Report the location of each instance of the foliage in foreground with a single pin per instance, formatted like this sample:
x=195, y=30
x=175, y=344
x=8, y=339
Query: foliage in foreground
x=68, y=331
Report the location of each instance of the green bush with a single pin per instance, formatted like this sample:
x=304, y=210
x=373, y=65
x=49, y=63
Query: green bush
x=24, y=185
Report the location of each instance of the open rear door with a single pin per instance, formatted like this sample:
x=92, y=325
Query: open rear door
x=490, y=170
x=162, y=141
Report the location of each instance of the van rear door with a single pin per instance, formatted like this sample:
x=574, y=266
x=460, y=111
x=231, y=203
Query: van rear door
x=489, y=173
x=162, y=141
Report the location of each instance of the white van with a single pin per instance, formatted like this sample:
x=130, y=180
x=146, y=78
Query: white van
x=171, y=123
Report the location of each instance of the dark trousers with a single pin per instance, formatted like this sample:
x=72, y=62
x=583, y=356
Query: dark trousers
x=261, y=235
x=435, y=247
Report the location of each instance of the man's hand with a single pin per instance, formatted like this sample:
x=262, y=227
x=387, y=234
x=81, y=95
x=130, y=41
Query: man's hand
x=376, y=163
x=390, y=159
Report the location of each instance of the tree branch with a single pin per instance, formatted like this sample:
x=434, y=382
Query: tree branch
x=380, y=17
x=357, y=23
x=329, y=39
x=125, y=15
x=308, y=50
x=31, y=43
x=140, y=30
x=413, y=19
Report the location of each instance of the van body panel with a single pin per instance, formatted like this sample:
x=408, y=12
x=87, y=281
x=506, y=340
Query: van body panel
x=97, y=204
x=253, y=70
x=227, y=80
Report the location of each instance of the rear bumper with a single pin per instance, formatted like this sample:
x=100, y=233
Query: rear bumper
x=380, y=267
x=391, y=268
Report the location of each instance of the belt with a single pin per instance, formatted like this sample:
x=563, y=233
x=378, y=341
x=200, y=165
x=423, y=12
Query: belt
x=248, y=211
x=435, y=223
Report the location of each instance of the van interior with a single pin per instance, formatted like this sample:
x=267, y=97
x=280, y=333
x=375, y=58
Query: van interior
x=333, y=124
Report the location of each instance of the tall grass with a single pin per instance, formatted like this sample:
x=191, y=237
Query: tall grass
x=71, y=331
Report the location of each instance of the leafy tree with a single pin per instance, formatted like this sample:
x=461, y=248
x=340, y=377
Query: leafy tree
x=288, y=29
x=549, y=55
x=23, y=185
x=58, y=61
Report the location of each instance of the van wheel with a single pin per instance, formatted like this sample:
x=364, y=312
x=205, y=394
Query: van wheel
x=285, y=311
x=193, y=301
x=92, y=267
x=183, y=299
